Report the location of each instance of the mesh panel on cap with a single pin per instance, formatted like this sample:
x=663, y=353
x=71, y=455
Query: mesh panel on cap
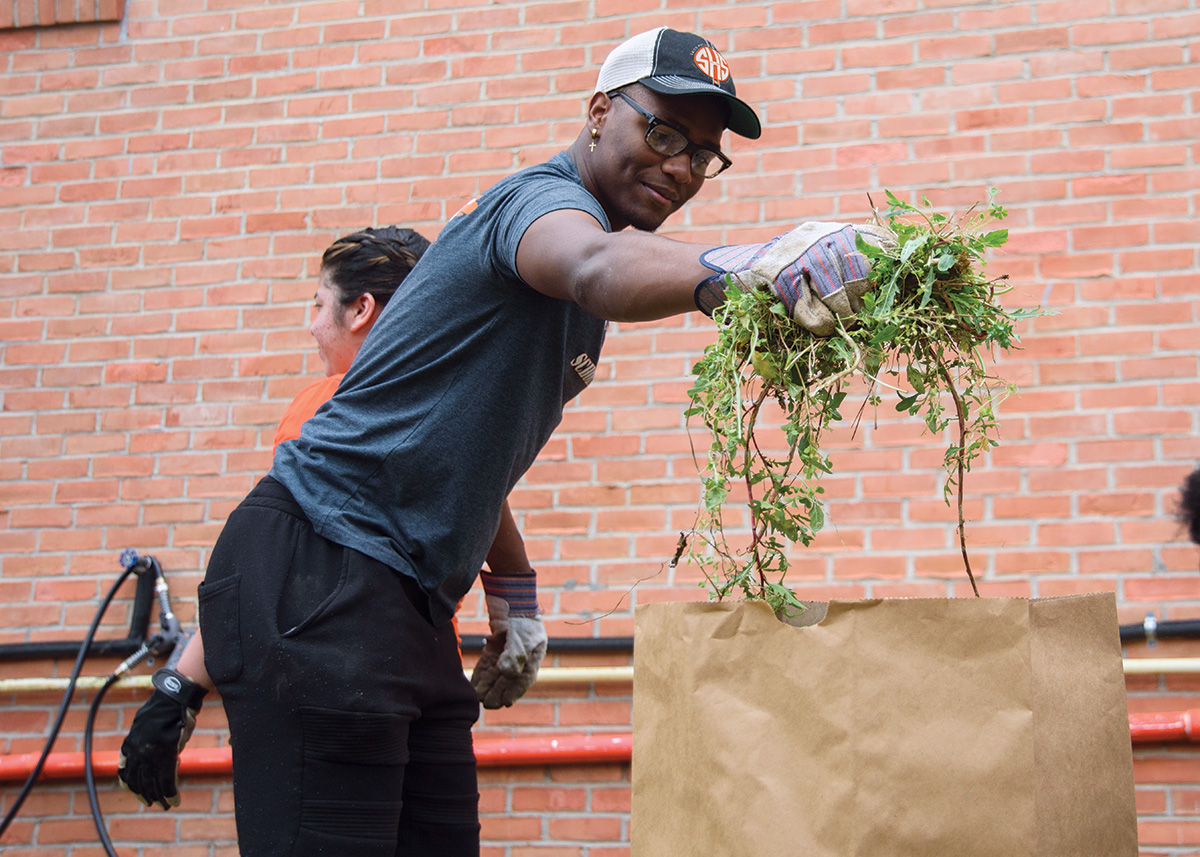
x=629, y=62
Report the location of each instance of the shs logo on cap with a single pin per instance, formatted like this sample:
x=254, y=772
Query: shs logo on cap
x=709, y=60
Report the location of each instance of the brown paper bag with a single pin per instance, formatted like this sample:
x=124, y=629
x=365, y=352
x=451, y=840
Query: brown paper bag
x=969, y=727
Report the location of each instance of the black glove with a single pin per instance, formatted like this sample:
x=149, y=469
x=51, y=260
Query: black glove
x=149, y=761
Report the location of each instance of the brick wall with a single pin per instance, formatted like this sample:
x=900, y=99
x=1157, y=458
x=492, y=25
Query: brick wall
x=168, y=181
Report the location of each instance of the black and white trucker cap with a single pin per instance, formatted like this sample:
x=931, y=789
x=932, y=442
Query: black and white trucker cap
x=675, y=63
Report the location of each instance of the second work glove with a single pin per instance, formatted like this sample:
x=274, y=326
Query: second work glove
x=149, y=759
x=513, y=651
x=816, y=270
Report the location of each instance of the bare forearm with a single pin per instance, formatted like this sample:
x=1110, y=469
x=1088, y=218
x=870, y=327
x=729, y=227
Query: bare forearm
x=638, y=276
x=191, y=662
x=623, y=276
x=507, y=554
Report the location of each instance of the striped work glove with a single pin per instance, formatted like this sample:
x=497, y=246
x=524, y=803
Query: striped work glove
x=513, y=651
x=815, y=270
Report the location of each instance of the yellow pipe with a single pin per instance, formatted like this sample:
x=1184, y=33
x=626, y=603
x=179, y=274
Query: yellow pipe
x=36, y=685
x=546, y=676
x=1156, y=666
x=584, y=675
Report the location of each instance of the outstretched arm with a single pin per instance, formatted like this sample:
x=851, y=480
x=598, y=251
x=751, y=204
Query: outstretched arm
x=816, y=269
x=623, y=276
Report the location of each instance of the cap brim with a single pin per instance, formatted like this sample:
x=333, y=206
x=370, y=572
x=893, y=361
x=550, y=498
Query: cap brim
x=743, y=121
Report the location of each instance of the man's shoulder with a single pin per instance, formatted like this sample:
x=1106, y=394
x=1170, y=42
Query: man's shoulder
x=559, y=168
x=523, y=196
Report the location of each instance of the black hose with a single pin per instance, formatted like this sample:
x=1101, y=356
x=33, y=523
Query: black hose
x=1152, y=630
x=88, y=774
x=592, y=645
x=66, y=701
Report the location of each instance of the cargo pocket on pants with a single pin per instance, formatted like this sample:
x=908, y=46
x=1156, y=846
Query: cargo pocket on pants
x=352, y=782
x=220, y=628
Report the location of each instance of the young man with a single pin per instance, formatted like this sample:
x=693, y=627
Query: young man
x=326, y=604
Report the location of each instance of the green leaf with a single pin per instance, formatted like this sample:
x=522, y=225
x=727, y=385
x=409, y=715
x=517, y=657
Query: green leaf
x=867, y=248
x=714, y=498
x=914, y=379
x=884, y=334
x=926, y=288
x=913, y=246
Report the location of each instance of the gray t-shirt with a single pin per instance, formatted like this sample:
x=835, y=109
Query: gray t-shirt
x=454, y=392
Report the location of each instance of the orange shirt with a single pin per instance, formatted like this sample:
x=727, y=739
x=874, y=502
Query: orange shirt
x=304, y=406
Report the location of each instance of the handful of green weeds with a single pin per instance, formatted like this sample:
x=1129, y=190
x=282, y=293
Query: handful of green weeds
x=767, y=389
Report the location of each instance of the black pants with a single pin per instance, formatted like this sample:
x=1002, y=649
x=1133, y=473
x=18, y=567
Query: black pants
x=349, y=714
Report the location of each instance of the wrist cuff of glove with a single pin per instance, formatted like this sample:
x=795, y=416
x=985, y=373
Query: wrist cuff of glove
x=729, y=259
x=710, y=294
x=519, y=590
x=179, y=687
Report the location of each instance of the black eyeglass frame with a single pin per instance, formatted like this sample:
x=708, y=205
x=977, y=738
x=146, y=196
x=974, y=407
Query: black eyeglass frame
x=688, y=146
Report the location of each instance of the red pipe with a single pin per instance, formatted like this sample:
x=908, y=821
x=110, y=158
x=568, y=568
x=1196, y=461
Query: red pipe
x=1151, y=728
x=1165, y=726
x=489, y=753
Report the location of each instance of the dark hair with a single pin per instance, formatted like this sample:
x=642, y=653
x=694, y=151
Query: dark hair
x=372, y=260
x=1189, y=505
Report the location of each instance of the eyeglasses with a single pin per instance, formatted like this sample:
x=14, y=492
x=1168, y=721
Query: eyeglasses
x=665, y=140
